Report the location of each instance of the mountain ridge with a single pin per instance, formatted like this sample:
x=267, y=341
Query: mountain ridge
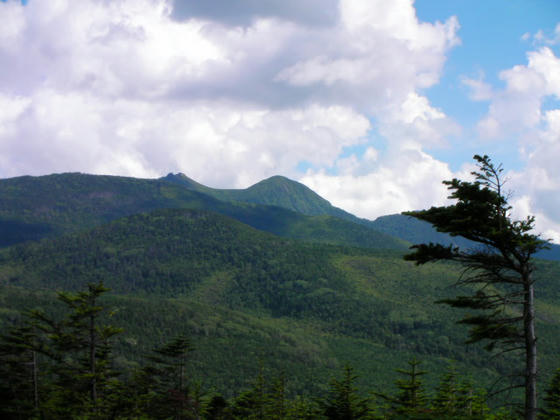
x=36, y=207
x=276, y=190
x=284, y=192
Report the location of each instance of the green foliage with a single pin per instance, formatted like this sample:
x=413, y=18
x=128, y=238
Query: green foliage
x=243, y=294
x=19, y=380
x=411, y=399
x=161, y=385
x=552, y=399
x=455, y=397
x=500, y=267
x=275, y=191
x=343, y=401
x=37, y=207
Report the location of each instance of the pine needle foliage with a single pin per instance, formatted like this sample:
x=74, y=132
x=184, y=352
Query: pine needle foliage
x=499, y=269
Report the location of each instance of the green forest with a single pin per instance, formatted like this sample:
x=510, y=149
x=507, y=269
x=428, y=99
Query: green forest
x=125, y=298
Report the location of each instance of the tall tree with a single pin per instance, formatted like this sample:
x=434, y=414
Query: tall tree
x=80, y=349
x=19, y=378
x=343, y=401
x=169, y=380
x=411, y=399
x=499, y=268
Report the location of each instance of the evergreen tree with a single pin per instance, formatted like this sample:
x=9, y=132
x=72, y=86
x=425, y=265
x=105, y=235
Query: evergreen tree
x=302, y=408
x=411, y=399
x=19, y=373
x=552, y=399
x=80, y=350
x=343, y=401
x=447, y=400
x=275, y=407
x=251, y=404
x=165, y=380
x=500, y=267
x=217, y=409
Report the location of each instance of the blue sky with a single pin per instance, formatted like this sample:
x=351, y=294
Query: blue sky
x=371, y=103
x=491, y=41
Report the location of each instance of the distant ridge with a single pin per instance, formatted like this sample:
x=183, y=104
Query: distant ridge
x=292, y=195
x=417, y=231
x=274, y=191
x=34, y=208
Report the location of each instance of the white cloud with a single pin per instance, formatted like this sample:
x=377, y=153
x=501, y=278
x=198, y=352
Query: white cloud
x=12, y=27
x=479, y=89
x=125, y=87
x=517, y=108
x=540, y=37
x=410, y=180
x=517, y=111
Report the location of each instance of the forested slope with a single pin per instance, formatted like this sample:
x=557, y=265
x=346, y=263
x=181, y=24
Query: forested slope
x=35, y=207
x=245, y=295
x=283, y=192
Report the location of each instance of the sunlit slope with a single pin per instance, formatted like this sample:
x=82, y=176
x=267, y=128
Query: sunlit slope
x=245, y=294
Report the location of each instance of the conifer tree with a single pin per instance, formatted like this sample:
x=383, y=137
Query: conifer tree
x=552, y=400
x=275, y=407
x=84, y=334
x=166, y=376
x=343, y=401
x=412, y=398
x=75, y=356
x=499, y=267
x=19, y=372
x=448, y=399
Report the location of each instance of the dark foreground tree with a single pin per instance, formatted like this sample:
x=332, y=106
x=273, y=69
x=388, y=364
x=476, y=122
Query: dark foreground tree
x=343, y=401
x=499, y=268
x=411, y=401
x=552, y=399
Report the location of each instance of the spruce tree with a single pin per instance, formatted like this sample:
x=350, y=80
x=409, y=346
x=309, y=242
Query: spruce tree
x=19, y=372
x=343, y=401
x=447, y=400
x=411, y=398
x=165, y=378
x=499, y=266
x=552, y=399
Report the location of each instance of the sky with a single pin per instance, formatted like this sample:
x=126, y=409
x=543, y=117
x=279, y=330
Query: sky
x=370, y=103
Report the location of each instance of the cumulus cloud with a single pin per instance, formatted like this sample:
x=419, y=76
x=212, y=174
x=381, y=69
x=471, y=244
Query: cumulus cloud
x=518, y=111
x=229, y=95
x=380, y=190
x=517, y=108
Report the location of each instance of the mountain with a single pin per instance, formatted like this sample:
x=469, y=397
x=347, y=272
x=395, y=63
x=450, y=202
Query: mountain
x=418, y=231
x=48, y=206
x=275, y=191
x=302, y=294
x=288, y=194
x=245, y=295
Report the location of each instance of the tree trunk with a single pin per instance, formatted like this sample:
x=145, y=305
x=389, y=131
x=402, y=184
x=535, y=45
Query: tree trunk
x=530, y=351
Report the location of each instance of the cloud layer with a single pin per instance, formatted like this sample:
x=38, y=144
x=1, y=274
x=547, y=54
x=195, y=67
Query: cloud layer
x=329, y=92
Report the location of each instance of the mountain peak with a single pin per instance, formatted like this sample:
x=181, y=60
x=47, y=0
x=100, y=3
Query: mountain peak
x=277, y=190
